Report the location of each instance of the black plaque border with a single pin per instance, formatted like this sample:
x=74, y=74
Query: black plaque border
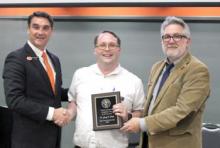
x=94, y=97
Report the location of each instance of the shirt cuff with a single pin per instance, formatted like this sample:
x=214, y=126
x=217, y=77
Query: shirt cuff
x=50, y=114
x=143, y=126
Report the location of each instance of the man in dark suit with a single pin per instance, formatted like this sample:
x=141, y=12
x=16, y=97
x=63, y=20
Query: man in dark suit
x=33, y=89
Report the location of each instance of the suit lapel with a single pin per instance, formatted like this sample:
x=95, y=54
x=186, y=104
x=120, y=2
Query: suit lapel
x=172, y=77
x=178, y=70
x=152, y=82
x=36, y=63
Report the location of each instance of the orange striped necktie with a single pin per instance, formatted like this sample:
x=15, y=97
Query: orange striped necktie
x=49, y=70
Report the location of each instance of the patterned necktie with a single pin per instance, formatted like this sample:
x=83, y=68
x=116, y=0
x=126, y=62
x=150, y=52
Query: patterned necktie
x=49, y=70
x=165, y=75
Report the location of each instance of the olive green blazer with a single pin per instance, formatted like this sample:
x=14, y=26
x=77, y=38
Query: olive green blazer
x=176, y=118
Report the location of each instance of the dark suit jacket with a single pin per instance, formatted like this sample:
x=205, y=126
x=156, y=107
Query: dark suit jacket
x=5, y=127
x=29, y=94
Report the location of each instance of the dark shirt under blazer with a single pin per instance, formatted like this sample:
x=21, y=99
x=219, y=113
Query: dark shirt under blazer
x=176, y=118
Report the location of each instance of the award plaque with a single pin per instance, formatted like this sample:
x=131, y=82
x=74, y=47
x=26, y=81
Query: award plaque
x=103, y=116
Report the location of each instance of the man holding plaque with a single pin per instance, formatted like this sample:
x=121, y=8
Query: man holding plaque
x=95, y=94
x=173, y=112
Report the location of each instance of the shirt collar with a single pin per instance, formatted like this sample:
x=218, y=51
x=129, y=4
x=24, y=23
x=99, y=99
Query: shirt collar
x=36, y=50
x=175, y=62
x=116, y=71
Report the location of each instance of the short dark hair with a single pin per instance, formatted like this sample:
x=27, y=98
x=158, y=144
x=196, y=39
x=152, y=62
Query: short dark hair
x=110, y=32
x=40, y=14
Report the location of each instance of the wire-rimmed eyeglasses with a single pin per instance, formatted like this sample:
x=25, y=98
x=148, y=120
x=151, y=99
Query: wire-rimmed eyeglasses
x=109, y=46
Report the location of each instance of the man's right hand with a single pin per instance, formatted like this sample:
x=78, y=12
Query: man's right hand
x=61, y=116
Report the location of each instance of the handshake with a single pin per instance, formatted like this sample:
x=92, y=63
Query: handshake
x=62, y=116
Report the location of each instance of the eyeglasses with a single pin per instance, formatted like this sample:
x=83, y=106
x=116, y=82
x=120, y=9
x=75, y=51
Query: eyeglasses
x=175, y=37
x=109, y=46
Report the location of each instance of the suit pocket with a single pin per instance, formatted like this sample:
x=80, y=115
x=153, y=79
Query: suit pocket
x=176, y=132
